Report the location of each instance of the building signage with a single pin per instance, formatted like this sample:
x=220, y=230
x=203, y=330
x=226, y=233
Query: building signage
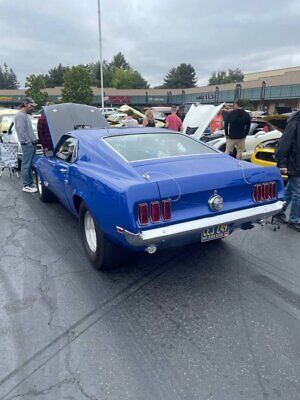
x=155, y=99
x=206, y=96
x=119, y=99
x=5, y=98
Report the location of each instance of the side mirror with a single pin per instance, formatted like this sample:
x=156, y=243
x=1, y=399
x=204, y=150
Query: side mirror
x=49, y=153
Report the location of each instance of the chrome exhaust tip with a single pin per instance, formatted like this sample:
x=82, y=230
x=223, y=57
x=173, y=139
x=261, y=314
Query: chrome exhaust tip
x=151, y=249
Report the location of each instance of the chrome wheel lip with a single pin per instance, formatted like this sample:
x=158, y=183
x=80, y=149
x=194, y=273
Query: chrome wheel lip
x=39, y=183
x=90, y=232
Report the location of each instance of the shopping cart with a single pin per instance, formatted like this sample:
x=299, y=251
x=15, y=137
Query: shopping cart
x=9, y=158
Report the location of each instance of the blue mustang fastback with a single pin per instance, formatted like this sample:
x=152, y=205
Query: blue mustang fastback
x=147, y=188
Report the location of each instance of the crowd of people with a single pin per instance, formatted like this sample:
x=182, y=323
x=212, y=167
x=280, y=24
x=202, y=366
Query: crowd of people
x=236, y=123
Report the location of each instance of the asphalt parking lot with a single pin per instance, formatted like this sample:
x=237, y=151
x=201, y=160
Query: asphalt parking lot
x=218, y=321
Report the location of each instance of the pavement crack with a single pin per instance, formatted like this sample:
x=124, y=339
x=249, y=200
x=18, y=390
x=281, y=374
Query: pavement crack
x=265, y=395
x=33, y=364
x=41, y=392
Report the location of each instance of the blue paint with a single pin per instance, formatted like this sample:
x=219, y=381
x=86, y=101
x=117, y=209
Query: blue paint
x=112, y=188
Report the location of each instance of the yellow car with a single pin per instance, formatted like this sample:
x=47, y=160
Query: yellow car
x=264, y=154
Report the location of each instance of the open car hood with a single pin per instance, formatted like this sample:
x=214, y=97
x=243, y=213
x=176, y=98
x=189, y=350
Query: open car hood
x=66, y=117
x=198, y=118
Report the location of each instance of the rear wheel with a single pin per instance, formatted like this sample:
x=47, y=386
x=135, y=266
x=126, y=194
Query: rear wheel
x=102, y=253
x=44, y=194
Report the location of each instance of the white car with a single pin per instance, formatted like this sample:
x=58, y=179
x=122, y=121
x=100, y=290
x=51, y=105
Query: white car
x=12, y=137
x=108, y=110
x=254, y=137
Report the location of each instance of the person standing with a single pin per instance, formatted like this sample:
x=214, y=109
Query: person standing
x=130, y=121
x=217, y=123
x=180, y=112
x=44, y=133
x=287, y=156
x=28, y=141
x=149, y=120
x=237, y=126
x=173, y=122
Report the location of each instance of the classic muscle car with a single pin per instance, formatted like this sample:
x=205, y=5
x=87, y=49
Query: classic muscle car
x=148, y=188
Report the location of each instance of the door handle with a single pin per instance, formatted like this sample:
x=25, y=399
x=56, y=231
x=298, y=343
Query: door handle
x=63, y=169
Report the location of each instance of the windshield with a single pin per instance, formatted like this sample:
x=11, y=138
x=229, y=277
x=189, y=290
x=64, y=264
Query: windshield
x=145, y=146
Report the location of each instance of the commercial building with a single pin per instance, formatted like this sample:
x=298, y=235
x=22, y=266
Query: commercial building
x=275, y=89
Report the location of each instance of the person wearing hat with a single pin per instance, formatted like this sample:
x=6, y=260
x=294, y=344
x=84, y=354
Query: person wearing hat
x=28, y=141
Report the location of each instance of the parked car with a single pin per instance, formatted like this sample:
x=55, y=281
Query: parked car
x=143, y=189
x=257, y=126
x=108, y=111
x=264, y=154
x=254, y=137
x=12, y=137
x=116, y=119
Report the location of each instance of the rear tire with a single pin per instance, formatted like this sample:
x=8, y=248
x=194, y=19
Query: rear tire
x=44, y=194
x=102, y=253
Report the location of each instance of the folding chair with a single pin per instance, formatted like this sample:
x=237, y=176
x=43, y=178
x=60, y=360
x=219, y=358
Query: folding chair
x=9, y=158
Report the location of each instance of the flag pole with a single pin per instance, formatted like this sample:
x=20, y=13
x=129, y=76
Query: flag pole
x=101, y=59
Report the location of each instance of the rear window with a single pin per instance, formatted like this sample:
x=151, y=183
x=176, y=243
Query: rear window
x=146, y=146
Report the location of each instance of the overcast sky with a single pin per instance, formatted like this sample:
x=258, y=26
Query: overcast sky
x=154, y=35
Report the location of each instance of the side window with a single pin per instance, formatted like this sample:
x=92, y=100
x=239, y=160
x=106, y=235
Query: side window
x=259, y=127
x=67, y=151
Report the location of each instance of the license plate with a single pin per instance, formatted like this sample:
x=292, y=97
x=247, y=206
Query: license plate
x=215, y=232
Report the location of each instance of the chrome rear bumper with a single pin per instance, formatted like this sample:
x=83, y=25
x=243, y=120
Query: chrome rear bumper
x=236, y=218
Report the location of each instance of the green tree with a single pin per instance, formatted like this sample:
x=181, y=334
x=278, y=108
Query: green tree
x=119, y=61
x=221, y=77
x=117, y=74
x=77, y=86
x=138, y=82
x=56, y=75
x=182, y=76
x=94, y=69
x=8, y=79
x=128, y=79
x=235, y=75
x=35, y=85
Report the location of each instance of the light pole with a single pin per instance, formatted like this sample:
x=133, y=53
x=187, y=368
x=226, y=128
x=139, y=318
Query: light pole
x=101, y=59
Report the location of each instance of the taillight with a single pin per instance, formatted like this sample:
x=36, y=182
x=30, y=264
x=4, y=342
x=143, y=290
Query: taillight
x=166, y=210
x=155, y=211
x=274, y=190
x=143, y=214
x=265, y=191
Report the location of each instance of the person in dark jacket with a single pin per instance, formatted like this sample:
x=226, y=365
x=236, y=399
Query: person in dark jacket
x=237, y=126
x=288, y=160
x=44, y=133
